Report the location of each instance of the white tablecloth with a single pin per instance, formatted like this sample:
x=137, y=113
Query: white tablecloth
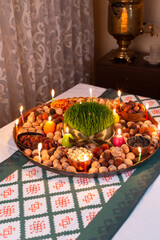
x=144, y=221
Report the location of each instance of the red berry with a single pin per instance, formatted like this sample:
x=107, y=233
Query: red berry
x=97, y=152
x=105, y=146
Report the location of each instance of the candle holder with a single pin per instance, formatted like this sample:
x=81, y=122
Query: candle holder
x=81, y=162
x=79, y=165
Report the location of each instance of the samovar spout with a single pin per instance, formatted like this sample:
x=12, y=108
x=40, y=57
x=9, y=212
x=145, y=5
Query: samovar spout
x=148, y=29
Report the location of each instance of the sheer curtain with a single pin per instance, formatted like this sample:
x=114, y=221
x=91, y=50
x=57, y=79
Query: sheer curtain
x=44, y=44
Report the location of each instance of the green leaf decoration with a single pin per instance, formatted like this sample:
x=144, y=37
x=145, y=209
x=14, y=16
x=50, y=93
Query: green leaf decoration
x=89, y=117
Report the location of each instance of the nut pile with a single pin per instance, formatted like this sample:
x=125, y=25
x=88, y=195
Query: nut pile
x=132, y=107
x=29, y=141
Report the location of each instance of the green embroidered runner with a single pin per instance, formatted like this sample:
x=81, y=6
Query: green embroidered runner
x=11, y=164
x=43, y=205
x=119, y=207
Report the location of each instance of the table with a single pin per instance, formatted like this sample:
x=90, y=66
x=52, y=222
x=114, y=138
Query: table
x=137, y=76
x=143, y=222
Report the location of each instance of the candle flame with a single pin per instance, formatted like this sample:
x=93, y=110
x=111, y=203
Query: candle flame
x=49, y=118
x=52, y=93
x=139, y=149
x=90, y=92
x=119, y=93
x=119, y=132
x=39, y=147
x=114, y=111
x=17, y=121
x=67, y=129
x=21, y=109
x=147, y=106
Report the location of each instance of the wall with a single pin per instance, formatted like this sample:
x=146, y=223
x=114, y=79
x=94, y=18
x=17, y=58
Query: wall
x=104, y=42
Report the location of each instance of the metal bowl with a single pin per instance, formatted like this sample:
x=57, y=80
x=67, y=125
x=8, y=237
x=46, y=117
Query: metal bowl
x=144, y=150
x=134, y=117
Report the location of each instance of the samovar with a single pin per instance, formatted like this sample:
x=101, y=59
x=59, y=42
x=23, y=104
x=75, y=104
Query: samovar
x=125, y=22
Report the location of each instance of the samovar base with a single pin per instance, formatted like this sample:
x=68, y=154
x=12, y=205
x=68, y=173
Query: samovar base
x=128, y=55
x=123, y=52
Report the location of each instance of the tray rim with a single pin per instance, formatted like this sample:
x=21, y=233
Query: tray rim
x=144, y=158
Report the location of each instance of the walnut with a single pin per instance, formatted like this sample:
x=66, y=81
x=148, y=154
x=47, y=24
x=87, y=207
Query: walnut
x=71, y=169
x=103, y=169
x=112, y=168
x=122, y=166
x=93, y=170
x=128, y=162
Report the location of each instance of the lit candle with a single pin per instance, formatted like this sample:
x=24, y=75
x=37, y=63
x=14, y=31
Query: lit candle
x=52, y=93
x=118, y=140
x=119, y=96
x=66, y=137
x=39, y=151
x=21, y=112
x=85, y=162
x=116, y=116
x=49, y=126
x=90, y=92
x=147, y=106
x=17, y=121
x=139, y=150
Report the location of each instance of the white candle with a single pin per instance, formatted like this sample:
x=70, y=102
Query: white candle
x=17, y=121
x=119, y=96
x=90, y=92
x=21, y=112
x=147, y=106
x=39, y=151
x=52, y=93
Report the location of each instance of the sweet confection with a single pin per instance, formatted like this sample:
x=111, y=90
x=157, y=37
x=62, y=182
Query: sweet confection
x=90, y=119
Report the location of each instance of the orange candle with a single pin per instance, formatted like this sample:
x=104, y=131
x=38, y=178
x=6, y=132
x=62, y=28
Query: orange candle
x=49, y=126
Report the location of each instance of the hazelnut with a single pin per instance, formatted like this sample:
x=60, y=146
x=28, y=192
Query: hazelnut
x=47, y=163
x=118, y=161
x=28, y=152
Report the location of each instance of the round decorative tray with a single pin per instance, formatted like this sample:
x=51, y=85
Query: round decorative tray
x=144, y=158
